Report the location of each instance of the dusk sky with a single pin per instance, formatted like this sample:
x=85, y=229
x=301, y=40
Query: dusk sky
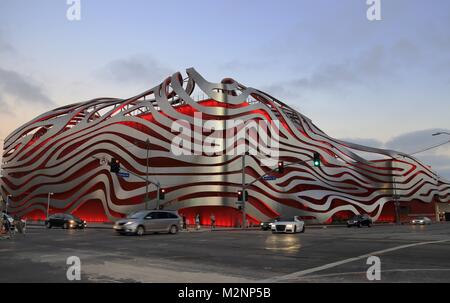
x=380, y=83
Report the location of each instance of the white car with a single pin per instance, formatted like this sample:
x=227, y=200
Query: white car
x=288, y=225
x=421, y=221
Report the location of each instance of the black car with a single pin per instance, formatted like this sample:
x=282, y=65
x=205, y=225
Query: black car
x=65, y=221
x=360, y=220
x=268, y=224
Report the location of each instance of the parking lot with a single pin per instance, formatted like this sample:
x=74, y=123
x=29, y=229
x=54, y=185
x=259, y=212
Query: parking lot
x=334, y=254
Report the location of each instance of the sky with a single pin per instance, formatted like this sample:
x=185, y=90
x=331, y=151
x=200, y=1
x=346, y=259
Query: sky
x=382, y=83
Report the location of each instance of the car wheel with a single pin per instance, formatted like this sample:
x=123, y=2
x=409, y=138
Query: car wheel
x=369, y=225
x=303, y=229
x=295, y=229
x=359, y=225
x=140, y=230
x=173, y=229
x=48, y=225
x=349, y=226
x=66, y=226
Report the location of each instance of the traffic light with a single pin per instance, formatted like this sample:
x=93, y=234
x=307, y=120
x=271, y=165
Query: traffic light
x=316, y=159
x=280, y=167
x=240, y=195
x=162, y=193
x=115, y=165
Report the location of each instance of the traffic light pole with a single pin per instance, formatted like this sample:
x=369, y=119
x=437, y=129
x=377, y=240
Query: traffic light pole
x=273, y=170
x=244, y=214
x=245, y=186
x=147, y=182
x=146, y=174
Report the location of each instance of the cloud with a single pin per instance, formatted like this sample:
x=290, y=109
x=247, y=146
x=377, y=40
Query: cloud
x=369, y=67
x=135, y=69
x=5, y=46
x=414, y=141
x=5, y=109
x=411, y=142
x=22, y=88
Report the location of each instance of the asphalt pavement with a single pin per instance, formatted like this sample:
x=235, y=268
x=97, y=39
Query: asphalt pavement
x=335, y=254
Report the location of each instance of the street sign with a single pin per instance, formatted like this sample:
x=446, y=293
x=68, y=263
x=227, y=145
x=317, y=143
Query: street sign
x=123, y=175
x=269, y=178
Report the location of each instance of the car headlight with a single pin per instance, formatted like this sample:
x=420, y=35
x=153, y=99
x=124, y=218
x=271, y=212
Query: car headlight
x=290, y=226
x=71, y=221
x=262, y=224
x=129, y=223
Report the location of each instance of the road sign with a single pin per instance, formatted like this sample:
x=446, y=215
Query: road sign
x=269, y=178
x=123, y=175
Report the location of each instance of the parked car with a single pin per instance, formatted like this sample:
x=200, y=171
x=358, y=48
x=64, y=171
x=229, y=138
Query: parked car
x=65, y=221
x=267, y=225
x=421, y=221
x=360, y=220
x=288, y=225
x=146, y=221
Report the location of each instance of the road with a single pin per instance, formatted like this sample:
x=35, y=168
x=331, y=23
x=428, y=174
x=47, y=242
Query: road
x=333, y=254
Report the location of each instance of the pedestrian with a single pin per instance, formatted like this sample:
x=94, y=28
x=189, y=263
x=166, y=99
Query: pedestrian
x=213, y=221
x=1, y=223
x=19, y=224
x=197, y=221
x=8, y=227
x=184, y=222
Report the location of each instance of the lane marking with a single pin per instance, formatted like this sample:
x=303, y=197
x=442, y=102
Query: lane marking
x=302, y=273
x=384, y=271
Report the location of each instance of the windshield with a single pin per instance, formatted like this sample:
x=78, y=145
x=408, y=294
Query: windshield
x=286, y=219
x=137, y=215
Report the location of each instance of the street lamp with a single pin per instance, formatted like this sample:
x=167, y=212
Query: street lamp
x=48, y=202
x=7, y=203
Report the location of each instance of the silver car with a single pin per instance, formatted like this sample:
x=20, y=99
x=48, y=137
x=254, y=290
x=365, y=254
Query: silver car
x=421, y=221
x=146, y=221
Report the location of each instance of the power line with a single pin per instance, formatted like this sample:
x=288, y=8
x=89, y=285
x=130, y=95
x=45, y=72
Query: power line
x=431, y=147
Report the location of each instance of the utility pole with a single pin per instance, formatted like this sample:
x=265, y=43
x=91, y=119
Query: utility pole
x=395, y=196
x=146, y=173
x=158, y=188
x=7, y=203
x=48, y=203
x=244, y=219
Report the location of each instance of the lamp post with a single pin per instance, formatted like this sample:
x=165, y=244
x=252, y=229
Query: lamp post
x=7, y=203
x=48, y=203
